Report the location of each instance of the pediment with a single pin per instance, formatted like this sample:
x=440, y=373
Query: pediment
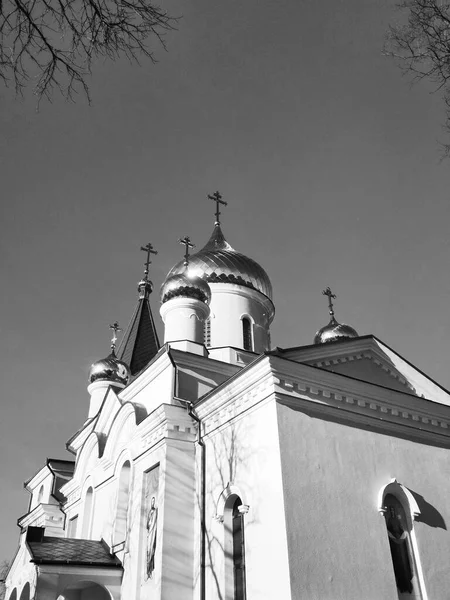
x=368, y=359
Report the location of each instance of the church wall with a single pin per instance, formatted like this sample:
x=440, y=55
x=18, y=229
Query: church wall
x=243, y=456
x=332, y=475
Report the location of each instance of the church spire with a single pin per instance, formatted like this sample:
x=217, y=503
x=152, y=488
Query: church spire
x=140, y=342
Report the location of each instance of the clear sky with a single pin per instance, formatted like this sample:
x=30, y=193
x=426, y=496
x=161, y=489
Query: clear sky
x=329, y=162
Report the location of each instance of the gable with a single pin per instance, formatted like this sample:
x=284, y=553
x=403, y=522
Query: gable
x=368, y=359
x=369, y=368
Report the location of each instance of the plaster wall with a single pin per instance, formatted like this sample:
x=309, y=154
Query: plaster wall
x=332, y=474
x=229, y=304
x=46, y=484
x=155, y=392
x=243, y=454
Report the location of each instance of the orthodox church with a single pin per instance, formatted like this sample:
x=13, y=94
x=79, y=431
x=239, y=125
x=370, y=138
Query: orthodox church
x=214, y=466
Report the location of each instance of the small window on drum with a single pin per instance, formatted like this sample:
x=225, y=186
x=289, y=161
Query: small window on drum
x=247, y=337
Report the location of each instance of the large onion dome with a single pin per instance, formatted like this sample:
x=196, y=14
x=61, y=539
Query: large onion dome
x=186, y=284
x=218, y=262
x=109, y=369
x=333, y=332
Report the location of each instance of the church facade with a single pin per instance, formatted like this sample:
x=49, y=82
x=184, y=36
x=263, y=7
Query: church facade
x=214, y=467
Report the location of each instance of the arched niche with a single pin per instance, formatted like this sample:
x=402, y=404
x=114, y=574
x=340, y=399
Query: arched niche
x=87, y=513
x=123, y=499
x=85, y=590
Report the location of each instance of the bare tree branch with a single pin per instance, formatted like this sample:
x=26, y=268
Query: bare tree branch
x=53, y=43
x=421, y=46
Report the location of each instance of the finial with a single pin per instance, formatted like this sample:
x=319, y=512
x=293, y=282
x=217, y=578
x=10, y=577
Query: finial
x=187, y=244
x=330, y=295
x=115, y=328
x=149, y=249
x=217, y=198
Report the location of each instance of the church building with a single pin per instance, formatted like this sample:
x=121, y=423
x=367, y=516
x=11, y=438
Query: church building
x=215, y=466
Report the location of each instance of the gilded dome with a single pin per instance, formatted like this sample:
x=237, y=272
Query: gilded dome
x=186, y=284
x=109, y=369
x=218, y=262
x=333, y=332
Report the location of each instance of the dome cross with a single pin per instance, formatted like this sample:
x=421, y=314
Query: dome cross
x=115, y=329
x=217, y=198
x=149, y=249
x=188, y=245
x=330, y=295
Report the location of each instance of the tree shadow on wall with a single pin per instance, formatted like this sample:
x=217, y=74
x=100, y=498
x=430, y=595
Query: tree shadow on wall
x=227, y=453
x=428, y=514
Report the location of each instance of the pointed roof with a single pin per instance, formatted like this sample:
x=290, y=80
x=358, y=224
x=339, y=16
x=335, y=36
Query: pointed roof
x=140, y=342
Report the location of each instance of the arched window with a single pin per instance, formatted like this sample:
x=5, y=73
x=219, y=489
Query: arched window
x=123, y=497
x=25, y=595
x=247, y=338
x=233, y=519
x=399, y=515
x=87, y=514
x=13, y=595
x=41, y=494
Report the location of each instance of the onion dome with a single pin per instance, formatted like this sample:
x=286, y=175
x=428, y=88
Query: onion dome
x=185, y=284
x=218, y=262
x=334, y=331
x=109, y=369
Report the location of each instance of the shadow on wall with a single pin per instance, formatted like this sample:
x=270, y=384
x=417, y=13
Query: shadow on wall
x=428, y=514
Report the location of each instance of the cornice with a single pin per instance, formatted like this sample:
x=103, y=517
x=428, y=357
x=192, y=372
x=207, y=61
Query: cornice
x=249, y=387
x=300, y=381
x=41, y=510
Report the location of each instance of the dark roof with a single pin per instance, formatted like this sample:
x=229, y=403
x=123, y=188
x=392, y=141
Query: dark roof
x=140, y=342
x=53, y=550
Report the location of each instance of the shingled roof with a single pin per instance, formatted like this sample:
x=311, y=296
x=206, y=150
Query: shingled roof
x=140, y=342
x=68, y=551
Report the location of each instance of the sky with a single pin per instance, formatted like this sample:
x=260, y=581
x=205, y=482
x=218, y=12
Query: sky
x=329, y=161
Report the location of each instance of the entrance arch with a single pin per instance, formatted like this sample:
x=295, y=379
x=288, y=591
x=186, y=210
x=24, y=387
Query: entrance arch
x=85, y=590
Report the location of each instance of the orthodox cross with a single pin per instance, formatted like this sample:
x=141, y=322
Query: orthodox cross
x=115, y=328
x=149, y=249
x=217, y=198
x=330, y=295
x=187, y=244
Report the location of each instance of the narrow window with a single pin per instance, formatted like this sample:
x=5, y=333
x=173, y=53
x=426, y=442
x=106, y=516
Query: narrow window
x=238, y=552
x=207, y=333
x=41, y=494
x=234, y=549
x=247, y=334
x=399, y=535
x=123, y=493
x=87, y=514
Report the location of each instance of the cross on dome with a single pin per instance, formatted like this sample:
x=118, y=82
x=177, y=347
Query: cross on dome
x=330, y=295
x=188, y=245
x=149, y=250
x=217, y=198
x=115, y=328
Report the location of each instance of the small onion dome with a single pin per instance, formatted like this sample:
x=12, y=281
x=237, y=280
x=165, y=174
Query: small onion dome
x=109, y=369
x=185, y=285
x=333, y=332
